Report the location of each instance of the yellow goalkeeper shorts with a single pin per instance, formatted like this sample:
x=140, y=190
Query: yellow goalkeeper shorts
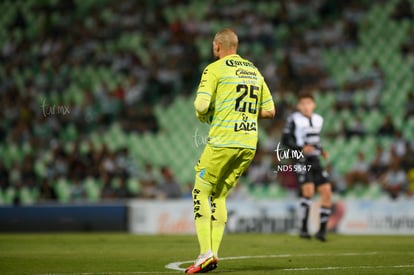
x=223, y=165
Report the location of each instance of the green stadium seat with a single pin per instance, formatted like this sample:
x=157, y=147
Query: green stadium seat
x=276, y=191
x=133, y=186
x=2, y=200
x=368, y=147
x=93, y=191
x=343, y=164
x=259, y=191
x=359, y=98
x=385, y=142
x=199, y=9
x=357, y=192
x=408, y=130
x=62, y=189
x=9, y=195
x=70, y=133
x=27, y=196
x=169, y=15
x=40, y=168
x=13, y=153
x=374, y=191
x=204, y=47
x=116, y=137
x=135, y=146
x=116, y=183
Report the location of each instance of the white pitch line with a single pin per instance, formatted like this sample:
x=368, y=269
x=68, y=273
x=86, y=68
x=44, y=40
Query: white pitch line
x=176, y=265
x=108, y=273
x=347, y=267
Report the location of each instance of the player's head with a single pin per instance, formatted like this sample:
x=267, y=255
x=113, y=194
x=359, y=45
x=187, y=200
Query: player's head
x=225, y=42
x=306, y=104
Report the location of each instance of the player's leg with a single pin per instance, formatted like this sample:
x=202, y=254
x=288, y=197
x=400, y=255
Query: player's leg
x=219, y=217
x=325, y=191
x=211, y=165
x=202, y=212
x=321, y=180
x=238, y=163
x=307, y=192
x=202, y=219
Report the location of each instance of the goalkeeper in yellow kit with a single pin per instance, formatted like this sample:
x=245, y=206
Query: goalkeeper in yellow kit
x=231, y=97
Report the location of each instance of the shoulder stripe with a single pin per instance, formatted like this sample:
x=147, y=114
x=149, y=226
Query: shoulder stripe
x=230, y=83
x=222, y=126
x=236, y=144
x=202, y=92
x=270, y=99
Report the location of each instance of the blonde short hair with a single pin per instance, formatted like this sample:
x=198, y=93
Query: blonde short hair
x=227, y=38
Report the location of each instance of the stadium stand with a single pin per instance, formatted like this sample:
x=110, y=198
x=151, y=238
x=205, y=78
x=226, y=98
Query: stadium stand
x=92, y=93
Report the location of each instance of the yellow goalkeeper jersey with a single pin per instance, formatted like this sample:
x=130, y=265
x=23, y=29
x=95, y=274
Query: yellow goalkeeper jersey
x=237, y=91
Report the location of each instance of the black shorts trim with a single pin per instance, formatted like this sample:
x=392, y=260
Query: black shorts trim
x=316, y=174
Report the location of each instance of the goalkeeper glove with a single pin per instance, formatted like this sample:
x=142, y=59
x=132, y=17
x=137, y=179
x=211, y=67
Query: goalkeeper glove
x=204, y=118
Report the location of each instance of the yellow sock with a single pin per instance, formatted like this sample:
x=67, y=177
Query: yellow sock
x=218, y=225
x=202, y=213
x=219, y=218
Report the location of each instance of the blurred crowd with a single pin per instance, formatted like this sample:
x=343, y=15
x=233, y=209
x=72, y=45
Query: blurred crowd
x=392, y=168
x=70, y=68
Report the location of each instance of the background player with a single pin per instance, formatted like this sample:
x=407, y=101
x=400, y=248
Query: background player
x=232, y=95
x=302, y=132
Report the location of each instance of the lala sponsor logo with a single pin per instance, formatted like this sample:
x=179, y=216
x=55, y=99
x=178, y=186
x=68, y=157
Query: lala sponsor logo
x=245, y=125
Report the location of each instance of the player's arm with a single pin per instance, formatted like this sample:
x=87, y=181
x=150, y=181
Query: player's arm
x=288, y=137
x=201, y=106
x=267, y=114
x=324, y=153
x=267, y=106
x=201, y=103
x=205, y=91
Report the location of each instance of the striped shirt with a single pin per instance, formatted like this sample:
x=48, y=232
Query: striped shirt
x=301, y=130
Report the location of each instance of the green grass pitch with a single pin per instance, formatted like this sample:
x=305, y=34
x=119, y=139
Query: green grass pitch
x=121, y=254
